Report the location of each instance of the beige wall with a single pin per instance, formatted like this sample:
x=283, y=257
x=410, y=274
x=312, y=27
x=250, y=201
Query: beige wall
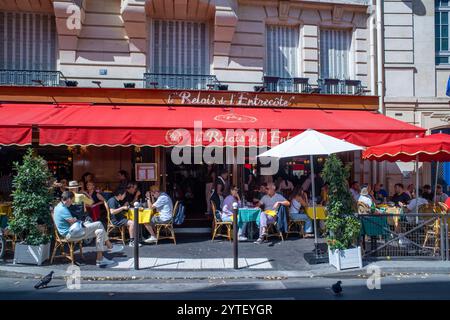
x=114, y=35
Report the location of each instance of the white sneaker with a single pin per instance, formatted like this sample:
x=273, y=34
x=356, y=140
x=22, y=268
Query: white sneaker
x=150, y=240
x=131, y=244
x=104, y=262
x=116, y=249
x=242, y=238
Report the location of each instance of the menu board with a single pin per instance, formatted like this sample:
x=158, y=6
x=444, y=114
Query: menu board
x=146, y=172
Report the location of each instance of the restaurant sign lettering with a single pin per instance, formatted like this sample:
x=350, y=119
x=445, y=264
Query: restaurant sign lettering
x=243, y=99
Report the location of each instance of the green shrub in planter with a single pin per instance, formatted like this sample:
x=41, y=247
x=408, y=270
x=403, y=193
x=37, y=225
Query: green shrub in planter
x=32, y=198
x=343, y=226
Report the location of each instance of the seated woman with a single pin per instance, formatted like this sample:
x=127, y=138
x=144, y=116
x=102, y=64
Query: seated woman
x=299, y=201
x=97, y=199
x=227, y=210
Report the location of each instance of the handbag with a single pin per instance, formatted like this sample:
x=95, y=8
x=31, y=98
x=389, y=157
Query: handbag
x=77, y=230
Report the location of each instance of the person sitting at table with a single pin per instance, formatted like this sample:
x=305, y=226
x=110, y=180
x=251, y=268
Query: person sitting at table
x=64, y=219
x=163, y=205
x=133, y=193
x=366, y=198
x=411, y=206
x=261, y=192
x=227, y=210
x=118, y=216
x=80, y=202
x=271, y=202
x=355, y=190
x=299, y=202
x=59, y=188
x=427, y=193
x=441, y=196
x=92, y=193
x=400, y=197
x=85, y=179
x=380, y=195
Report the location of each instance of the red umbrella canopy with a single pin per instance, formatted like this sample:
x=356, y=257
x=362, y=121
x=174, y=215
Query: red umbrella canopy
x=435, y=147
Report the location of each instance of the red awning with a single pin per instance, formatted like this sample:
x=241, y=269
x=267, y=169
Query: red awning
x=164, y=126
x=435, y=147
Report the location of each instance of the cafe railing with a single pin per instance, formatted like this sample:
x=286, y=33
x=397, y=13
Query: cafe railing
x=182, y=81
x=31, y=78
x=387, y=236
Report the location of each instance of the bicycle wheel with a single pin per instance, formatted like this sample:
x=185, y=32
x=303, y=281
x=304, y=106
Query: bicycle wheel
x=2, y=246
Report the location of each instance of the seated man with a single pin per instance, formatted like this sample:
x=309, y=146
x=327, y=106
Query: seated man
x=271, y=202
x=133, y=193
x=400, y=197
x=118, y=218
x=80, y=202
x=411, y=207
x=64, y=219
x=227, y=210
x=163, y=205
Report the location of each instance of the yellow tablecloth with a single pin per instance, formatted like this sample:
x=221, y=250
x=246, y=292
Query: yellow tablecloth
x=6, y=209
x=145, y=215
x=392, y=220
x=321, y=212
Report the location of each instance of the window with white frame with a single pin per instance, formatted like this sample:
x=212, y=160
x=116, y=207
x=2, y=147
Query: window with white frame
x=179, y=47
x=28, y=41
x=335, y=53
x=442, y=9
x=282, y=51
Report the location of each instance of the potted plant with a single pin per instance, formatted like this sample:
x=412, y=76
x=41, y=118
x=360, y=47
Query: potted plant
x=32, y=198
x=342, y=224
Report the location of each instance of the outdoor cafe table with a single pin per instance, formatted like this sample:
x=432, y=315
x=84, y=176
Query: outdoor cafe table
x=321, y=212
x=248, y=215
x=145, y=215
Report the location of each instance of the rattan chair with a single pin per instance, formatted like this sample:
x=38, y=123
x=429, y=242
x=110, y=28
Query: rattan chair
x=433, y=231
x=61, y=242
x=295, y=227
x=111, y=227
x=272, y=230
x=363, y=208
x=167, y=227
x=220, y=225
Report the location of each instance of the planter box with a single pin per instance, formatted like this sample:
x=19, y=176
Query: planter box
x=345, y=259
x=31, y=254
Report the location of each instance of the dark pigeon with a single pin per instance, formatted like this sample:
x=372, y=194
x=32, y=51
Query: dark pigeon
x=337, y=289
x=43, y=283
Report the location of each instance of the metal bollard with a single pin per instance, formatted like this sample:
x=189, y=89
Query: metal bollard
x=136, y=235
x=235, y=236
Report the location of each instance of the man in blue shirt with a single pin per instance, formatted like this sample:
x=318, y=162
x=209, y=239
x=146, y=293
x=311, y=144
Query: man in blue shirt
x=64, y=220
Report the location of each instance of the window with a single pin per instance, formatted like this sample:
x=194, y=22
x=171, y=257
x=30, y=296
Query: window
x=282, y=51
x=441, y=34
x=335, y=54
x=28, y=41
x=179, y=47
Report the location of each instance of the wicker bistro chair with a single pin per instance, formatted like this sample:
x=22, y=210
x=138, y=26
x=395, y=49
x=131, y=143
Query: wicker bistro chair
x=219, y=225
x=111, y=228
x=61, y=242
x=433, y=231
x=167, y=227
x=295, y=227
x=363, y=208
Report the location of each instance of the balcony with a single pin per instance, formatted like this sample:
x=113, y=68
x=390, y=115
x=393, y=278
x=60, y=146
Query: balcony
x=31, y=78
x=302, y=85
x=182, y=81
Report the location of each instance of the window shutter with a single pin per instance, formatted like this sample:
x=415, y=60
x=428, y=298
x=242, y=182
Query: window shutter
x=282, y=51
x=28, y=41
x=335, y=53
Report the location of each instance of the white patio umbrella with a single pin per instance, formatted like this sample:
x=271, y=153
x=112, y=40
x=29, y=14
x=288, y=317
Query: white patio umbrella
x=310, y=143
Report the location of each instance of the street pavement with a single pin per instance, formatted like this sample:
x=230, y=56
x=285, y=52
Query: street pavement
x=392, y=287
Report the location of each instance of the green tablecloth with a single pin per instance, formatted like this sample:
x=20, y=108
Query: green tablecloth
x=248, y=215
x=373, y=226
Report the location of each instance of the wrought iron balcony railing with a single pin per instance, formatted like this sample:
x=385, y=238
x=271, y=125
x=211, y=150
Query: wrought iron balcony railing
x=277, y=84
x=302, y=85
x=182, y=81
x=31, y=78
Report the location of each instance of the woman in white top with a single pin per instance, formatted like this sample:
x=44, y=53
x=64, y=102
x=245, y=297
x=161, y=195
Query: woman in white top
x=299, y=202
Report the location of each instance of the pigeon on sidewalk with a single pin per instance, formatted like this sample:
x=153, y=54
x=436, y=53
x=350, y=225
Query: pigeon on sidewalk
x=43, y=283
x=337, y=289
